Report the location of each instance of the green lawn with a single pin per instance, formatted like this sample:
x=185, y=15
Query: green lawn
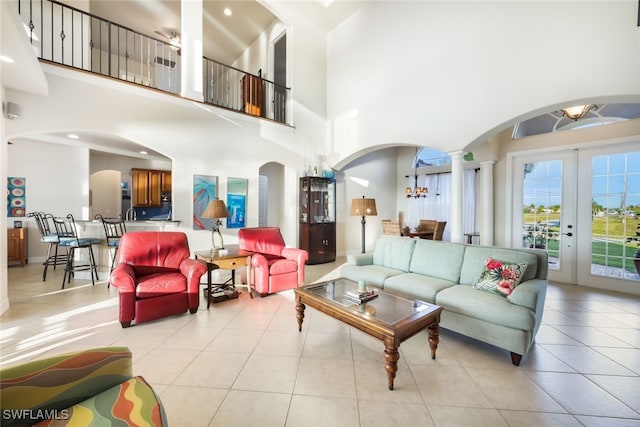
x=612, y=254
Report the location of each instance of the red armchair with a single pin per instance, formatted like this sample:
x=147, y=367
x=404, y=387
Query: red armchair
x=155, y=277
x=273, y=267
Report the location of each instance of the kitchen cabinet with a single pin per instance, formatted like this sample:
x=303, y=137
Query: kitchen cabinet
x=149, y=186
x=318, y=219
x=17, y=245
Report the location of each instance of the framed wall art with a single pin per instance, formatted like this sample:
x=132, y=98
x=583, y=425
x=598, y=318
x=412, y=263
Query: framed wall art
x=237, y=202
x=16, y=197
x=205, y=189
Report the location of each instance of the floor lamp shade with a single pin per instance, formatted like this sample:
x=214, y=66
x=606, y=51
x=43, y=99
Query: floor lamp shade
x=363, y=207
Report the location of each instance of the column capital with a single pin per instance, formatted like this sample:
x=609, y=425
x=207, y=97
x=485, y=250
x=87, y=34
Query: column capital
x=487, y=163
x=456, y=154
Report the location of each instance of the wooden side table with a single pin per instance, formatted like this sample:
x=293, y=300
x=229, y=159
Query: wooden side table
x=229, y=258
x=17, y=245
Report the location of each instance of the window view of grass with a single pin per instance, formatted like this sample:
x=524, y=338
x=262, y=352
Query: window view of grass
x=609, y=244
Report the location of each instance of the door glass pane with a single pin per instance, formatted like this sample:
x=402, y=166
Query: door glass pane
x=615, y=224
x=542, y=205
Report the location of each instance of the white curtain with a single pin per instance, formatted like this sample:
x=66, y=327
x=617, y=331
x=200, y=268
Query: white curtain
x=437, y=204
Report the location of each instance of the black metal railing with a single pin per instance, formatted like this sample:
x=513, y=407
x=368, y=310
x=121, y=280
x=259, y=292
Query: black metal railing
x=65, y=35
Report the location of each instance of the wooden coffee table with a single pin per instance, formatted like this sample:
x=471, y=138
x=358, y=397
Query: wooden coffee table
x=390, y=318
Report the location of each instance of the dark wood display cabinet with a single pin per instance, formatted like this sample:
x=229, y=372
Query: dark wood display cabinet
x=318, y=218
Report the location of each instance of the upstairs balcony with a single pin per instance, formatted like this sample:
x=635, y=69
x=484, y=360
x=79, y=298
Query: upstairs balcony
x=67, y=36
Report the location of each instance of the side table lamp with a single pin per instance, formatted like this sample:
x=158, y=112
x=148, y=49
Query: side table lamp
x=215, y=210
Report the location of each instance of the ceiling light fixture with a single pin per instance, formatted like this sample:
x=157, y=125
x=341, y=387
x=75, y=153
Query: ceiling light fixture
x=143, y=152
x=228, y=11
x=7, y=59
x=73, y=136
x=579, y=111
x=415, y=191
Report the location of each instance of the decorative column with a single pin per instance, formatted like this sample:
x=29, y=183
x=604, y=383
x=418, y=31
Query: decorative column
x=457, y=184
x=191, y=50
x=486, y=202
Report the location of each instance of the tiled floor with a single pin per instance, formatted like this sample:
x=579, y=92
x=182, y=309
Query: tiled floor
x=243, y=362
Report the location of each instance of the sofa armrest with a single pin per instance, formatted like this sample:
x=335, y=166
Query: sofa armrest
x=298, y=255
x=530, y=294
x=58, y=382
x=360, y=259
x=124, y=278
x=193, y=271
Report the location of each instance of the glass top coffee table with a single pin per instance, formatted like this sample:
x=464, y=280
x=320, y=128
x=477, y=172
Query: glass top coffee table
x=389, y=318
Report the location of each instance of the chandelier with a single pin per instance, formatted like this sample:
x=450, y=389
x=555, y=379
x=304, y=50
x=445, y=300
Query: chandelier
x=414, y=190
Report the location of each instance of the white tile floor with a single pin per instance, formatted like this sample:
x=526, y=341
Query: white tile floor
x=243, y=362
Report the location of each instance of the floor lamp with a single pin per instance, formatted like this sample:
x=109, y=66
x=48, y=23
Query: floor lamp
x=363, y=207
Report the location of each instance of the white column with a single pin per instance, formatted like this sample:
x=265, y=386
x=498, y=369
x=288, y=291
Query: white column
x=191, y=50
x=457, y=183
x=486, y=202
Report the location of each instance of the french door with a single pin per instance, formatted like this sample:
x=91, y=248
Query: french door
x=583, y=207
x=544, y=209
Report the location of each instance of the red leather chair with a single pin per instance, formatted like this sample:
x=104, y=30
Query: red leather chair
x=273, y=267
x=155, y=277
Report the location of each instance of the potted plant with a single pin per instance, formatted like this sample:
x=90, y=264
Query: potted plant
x=636, y=255
x=537, y=236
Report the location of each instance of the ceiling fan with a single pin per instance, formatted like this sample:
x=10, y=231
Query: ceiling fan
x=172, y=36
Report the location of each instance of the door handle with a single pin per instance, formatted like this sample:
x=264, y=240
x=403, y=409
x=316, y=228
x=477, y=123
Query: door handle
x=568, y=234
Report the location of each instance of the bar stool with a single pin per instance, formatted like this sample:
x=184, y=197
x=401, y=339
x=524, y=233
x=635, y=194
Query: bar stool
x=51, y=239
x=68, y=235
x=114, y=228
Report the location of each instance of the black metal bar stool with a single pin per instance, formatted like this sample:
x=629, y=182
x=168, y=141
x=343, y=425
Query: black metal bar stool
x=114, y=228
x=68, y=235
x=50, y=238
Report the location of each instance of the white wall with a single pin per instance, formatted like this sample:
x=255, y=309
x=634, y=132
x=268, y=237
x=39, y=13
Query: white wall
x=446, y=74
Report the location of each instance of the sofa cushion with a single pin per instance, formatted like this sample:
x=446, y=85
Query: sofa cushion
x=374, y=275
x=131, y=403
x=485, y=306
x=437, y=259
x=474, y=257
x=393, y=252
x=417, y=286
x=158, y=284
x=500, y=277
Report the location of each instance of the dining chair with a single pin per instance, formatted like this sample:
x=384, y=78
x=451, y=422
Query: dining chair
x=439, y=231
x=114, y=228
x=69, y=239
x=50, y=238
x=390, y=228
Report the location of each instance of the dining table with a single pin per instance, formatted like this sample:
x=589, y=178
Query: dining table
x=419, y=234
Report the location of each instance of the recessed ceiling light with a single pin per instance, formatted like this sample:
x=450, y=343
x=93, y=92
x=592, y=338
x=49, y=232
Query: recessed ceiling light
x=73, y=136
x=143, y=152
x=7, y=59
x=227, y=11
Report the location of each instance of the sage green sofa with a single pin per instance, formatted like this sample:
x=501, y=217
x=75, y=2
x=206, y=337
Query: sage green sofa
x=444, y=273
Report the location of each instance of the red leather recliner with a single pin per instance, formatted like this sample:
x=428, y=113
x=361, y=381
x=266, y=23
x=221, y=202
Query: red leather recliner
x=273, y=267
x=155, y=277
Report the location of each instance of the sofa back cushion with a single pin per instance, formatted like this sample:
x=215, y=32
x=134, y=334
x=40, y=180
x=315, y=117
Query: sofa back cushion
x=148, y=250
x=394, y=252
x=264, y=240
x=475, y=256
x=437, y=259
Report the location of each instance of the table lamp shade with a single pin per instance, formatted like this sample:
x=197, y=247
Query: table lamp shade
x=363, y=207
x=215, y=209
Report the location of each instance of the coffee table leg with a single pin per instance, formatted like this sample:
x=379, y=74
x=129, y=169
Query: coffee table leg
x=300, y=313
x=391, y=357
x=434, y=334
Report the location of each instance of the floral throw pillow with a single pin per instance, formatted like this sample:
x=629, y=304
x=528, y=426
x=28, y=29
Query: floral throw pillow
x=500, y=277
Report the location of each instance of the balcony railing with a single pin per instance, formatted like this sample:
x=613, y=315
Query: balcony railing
x=65, y=35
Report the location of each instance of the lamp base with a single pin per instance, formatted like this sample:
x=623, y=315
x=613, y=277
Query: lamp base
x=216, y=240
